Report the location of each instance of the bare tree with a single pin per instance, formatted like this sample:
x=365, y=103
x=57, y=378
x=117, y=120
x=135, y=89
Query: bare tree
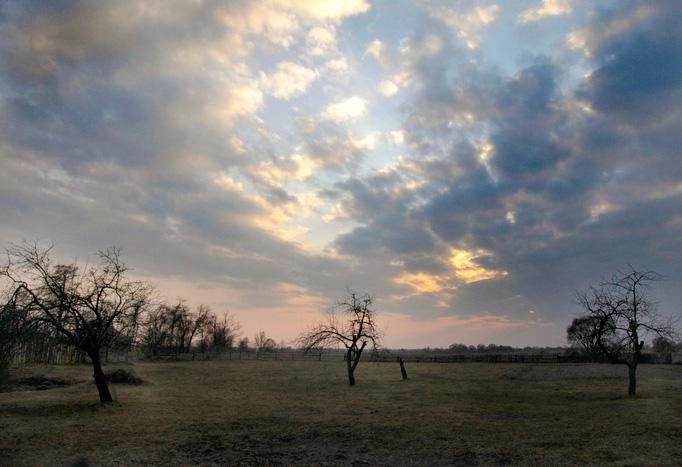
x=155, y=332
x=243, y=345
x=175, y=327
x=88, y=308
x=198, y=322
x=354, y=329
x=220, y=334
x=663, y=346
x=12, y=330
x=623, y=315
x=264, y=343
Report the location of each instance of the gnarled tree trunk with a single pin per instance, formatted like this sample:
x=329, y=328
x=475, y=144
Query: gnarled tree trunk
x=100, y=380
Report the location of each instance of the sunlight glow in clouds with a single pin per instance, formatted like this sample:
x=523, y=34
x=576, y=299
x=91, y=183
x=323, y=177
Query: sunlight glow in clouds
x=290, y=79
x=466, y=25
x=347, y=109
x=464, y=269
x=468, y=270
x=547, y=8
x=387, y=88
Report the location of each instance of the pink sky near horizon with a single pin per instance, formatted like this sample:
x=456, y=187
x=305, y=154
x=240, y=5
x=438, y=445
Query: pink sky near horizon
x=299, y=312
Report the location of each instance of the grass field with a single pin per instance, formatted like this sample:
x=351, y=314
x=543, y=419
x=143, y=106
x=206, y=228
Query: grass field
x=265, y=412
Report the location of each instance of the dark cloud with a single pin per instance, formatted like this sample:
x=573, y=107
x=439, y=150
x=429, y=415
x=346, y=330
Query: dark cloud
x=575, y=185
x=637, y=66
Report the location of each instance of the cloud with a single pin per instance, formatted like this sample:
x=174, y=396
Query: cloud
x=326, y=9
x=545, y=9
x=350, y=108
x=489, y=186
x=375, y=50
x=142, y=129
x=516, y=174
x=321, y=41
x=646, y=35
x=289, y=80
x=466, y=25
x=296, y=166
x=387, y=88
x=337, y=64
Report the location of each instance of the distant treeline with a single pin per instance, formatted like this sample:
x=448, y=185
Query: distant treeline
x=494, y=348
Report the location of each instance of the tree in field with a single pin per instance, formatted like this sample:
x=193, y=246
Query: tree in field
x=183, y=324
x=663, y=345
x=220, y=334
x=175, y=327
x=155, y=331
x=89, y=308
x=243, y=345
x=582, y=333
x=12, y=330
x=351, y=324
x=264, y=343
x=623, y=315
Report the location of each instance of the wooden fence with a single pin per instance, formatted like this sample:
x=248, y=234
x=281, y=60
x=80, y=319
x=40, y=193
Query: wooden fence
x=286, y=355
x=502, y=358
x=48, y=352
x=45, y=351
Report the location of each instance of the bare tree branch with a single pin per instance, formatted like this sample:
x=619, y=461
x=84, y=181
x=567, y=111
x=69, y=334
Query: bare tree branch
x=351, y=324
x=88, y=309
x=621, y=315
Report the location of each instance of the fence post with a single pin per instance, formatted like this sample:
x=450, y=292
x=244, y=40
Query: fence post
x=402, y=368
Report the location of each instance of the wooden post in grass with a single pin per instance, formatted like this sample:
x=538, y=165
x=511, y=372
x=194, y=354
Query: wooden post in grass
x=402, y=367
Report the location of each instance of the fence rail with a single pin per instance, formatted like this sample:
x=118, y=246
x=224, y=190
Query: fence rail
x=48, y=352
x=287, y=355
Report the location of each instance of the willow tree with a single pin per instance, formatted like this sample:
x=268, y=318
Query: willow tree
x=87, y=307
x=350, y=324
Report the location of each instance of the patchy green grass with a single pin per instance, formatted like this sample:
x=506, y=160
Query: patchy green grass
x=299, y=412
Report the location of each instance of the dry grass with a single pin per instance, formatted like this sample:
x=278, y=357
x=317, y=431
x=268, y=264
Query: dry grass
x=256, y=412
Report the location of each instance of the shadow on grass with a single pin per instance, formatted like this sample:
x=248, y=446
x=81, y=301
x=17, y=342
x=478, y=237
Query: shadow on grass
x=35, y=383
x=47, y=409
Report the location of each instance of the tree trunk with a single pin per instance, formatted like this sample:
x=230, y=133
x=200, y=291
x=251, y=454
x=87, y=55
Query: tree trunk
x=100, y=380
x=632, y=374
x=349, y=365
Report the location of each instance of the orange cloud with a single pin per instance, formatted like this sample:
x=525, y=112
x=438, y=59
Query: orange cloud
x=466, y=268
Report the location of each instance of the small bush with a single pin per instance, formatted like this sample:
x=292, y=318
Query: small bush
x=122, y=376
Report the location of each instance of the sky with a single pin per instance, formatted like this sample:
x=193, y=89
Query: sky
x=471, y=164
